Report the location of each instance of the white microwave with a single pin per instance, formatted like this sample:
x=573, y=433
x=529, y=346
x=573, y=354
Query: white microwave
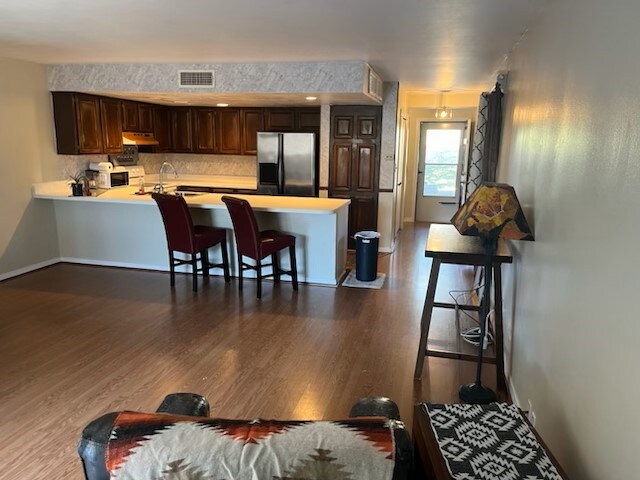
x=118, y=177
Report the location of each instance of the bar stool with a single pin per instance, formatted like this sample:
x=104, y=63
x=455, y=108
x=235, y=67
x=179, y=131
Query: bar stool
x=183, y=236
x=257, y=245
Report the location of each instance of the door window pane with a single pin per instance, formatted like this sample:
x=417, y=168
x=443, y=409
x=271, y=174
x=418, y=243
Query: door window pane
x=441, y=157
x=440, y=180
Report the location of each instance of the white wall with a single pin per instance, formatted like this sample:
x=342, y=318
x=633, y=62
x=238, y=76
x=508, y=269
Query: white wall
x=571, y=149
x=27, y=155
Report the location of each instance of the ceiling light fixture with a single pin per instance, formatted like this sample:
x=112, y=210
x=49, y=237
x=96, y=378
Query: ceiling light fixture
x=222, y=104
x=181, y=101
x=311, y=99
x=442, y=111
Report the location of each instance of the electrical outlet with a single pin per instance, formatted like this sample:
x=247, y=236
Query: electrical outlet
x=531, y=415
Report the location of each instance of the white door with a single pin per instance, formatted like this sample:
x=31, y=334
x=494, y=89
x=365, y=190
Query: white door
x=442, y=154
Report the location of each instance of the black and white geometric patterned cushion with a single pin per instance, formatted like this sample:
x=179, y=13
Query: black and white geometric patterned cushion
x=489, y=442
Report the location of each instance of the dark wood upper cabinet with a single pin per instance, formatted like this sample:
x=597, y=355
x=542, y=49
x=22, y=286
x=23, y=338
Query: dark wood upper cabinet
x=130, y=118
x=111, y=118
x=78, y=123
x=90, y=124
x=252, y=122
x=145, y=118
x=162, y=129
x=280, y=119
x=204, y=125
x=308, y=119
x=228, y=128
x=181, y=130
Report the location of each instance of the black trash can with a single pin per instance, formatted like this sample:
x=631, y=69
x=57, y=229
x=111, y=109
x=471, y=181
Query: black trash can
x=367, y=255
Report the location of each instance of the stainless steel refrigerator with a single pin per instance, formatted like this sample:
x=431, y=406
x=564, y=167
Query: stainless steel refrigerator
x=287, y=164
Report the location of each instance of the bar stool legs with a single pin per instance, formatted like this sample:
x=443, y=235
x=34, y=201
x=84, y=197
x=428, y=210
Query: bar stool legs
x=294, y=266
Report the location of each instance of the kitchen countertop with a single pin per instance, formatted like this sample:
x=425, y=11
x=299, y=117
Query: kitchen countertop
x=126, y=195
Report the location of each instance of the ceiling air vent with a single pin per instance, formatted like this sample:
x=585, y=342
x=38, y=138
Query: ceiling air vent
x=196, y=79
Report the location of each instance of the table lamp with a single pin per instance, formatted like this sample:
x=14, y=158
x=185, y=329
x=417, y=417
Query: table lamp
x=491, y=212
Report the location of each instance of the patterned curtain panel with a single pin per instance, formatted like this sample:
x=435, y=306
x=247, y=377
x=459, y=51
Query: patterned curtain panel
x=483, y=161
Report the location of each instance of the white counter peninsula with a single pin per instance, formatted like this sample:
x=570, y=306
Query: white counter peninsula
x=120, y=228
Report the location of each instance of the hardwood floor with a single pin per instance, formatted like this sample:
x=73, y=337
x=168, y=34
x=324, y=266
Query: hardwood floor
x=79, y=341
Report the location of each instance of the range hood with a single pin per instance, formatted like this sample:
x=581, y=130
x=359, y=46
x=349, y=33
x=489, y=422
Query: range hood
x=138, y=138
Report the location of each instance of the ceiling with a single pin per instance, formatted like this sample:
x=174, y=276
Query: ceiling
x=427, y=44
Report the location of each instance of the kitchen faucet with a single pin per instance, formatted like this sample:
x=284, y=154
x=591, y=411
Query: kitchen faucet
x=160, y=187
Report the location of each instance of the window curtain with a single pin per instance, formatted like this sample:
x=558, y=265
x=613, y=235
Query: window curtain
x=483, y=161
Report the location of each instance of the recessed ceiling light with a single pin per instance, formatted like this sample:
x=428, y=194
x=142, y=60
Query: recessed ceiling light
x=181, y=101
x=223, y=104
x=311, y=99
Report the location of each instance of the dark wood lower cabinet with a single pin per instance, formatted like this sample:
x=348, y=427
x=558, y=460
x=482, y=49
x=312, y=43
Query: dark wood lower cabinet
x=354, y=163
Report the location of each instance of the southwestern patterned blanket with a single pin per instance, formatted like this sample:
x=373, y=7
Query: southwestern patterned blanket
x=167, y=447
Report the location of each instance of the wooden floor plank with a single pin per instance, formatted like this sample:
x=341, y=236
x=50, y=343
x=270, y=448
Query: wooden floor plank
x=78, y=341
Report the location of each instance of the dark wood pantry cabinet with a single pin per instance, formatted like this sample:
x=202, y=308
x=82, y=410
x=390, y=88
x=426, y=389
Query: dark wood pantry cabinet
x=354, y=163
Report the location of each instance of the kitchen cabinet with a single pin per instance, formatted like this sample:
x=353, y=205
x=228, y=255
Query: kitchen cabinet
x=354, y=163
x=308, y=120
x=111, y=119
x=204, y=130
x=228, y=130
x=162, y=129
x=130, y=119
x=78, y=123
x=90, y=124
x=145, y=118
x=280, y=119
x=182, y=130
x=252, y=122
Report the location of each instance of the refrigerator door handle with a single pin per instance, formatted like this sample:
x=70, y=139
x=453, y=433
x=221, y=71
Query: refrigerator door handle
x=281, y=172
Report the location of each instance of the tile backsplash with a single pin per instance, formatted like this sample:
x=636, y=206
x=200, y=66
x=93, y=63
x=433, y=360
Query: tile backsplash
x=187, y=164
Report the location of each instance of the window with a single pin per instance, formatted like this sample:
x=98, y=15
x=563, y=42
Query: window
x=441, y=161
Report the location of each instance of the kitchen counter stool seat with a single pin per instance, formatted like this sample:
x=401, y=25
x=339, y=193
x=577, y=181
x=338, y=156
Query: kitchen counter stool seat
x=257, y=245
x=184, y=237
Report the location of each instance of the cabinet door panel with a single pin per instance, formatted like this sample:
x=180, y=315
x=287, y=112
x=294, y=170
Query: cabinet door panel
x=228, y=120
x=89, y=125
x=342, y=154
x=111, y=116
x=162, y=129
x=252, y=123
x=181, y=130
x=365, y=167
x=308, y=119
x=204, y=128
x=130, y=120
x=145, y=118
x=280, y=120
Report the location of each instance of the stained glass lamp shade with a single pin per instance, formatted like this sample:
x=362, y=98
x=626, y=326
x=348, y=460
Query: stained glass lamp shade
x=491, y=212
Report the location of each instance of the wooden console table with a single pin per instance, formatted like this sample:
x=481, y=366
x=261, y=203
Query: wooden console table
x=446, y=245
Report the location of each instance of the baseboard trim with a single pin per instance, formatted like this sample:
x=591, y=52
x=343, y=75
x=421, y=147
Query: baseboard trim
x=29, y=268
x=514, y=394
x=385, y=249
x=408, y=220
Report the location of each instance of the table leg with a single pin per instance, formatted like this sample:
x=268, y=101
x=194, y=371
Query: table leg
x=425, y=322
x=497, y=285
